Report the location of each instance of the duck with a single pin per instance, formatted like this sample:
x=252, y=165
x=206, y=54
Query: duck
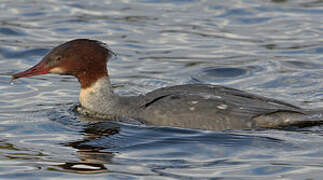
x=195, y=106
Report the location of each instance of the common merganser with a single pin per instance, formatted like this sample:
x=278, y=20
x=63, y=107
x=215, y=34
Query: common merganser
x=199, y=106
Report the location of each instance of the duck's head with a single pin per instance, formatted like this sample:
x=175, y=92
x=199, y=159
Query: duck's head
x=82, y=58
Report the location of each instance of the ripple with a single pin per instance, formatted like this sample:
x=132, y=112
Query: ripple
x=222, y=74
x=14, y=54
x=10, y=32
x=303, y=65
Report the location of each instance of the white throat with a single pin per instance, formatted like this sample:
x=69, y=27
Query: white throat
x=99, y=96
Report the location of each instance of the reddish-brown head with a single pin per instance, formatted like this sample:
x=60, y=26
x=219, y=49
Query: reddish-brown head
x=82, y=58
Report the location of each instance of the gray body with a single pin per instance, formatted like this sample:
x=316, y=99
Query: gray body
x=198, y=106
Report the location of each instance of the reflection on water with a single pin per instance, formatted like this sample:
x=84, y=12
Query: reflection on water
x=272, y=48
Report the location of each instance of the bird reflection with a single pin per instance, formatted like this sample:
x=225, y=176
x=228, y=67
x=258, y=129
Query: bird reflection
x=92, y=159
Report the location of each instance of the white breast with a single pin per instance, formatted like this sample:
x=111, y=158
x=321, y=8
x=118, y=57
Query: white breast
x=99, y=97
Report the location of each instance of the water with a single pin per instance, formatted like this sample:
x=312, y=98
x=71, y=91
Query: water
x=272, y=48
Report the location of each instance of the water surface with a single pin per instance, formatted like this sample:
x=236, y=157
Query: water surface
x=271, y=48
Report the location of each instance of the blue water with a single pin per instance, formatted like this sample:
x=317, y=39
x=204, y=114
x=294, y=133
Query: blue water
x=271, y=48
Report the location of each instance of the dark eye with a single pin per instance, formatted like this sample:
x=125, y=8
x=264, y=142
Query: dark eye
x=58, y=58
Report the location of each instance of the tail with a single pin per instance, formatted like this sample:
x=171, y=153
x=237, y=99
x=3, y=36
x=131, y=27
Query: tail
x=279, y=119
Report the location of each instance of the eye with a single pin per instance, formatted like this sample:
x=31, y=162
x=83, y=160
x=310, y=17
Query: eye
x=58, y=58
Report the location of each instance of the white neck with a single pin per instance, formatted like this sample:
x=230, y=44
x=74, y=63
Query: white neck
x=99, y=97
